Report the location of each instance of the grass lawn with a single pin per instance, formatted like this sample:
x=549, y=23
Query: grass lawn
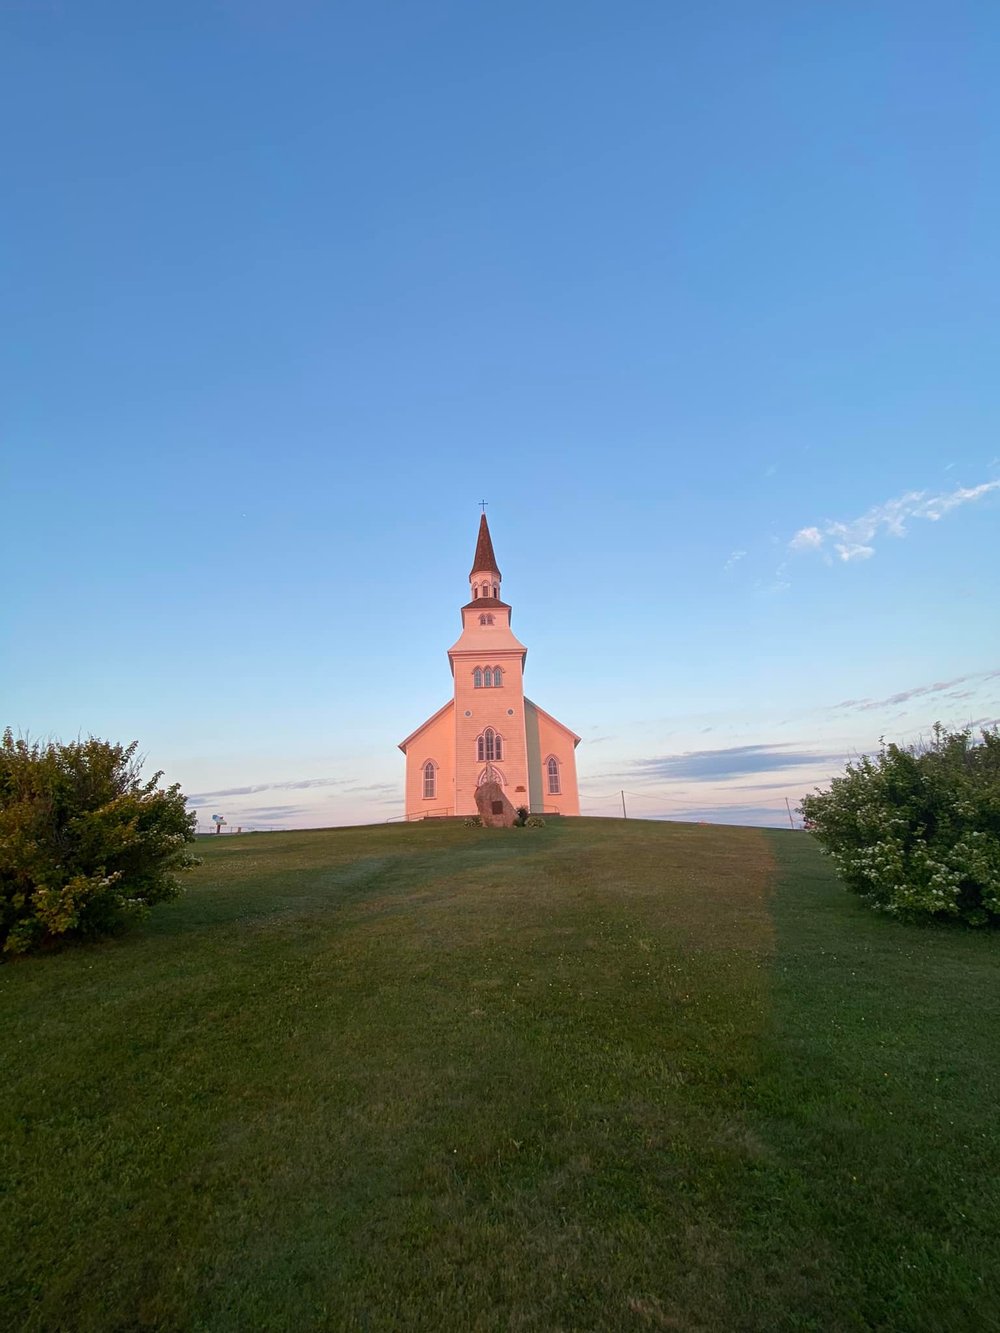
x=600, y=1075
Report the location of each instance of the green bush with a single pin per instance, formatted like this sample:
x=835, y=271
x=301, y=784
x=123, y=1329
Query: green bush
x=535, y=821
x=916, y=830
x=86, y=847
x=473, y=821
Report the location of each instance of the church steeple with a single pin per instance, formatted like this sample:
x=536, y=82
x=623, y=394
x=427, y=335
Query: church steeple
x=484, y=577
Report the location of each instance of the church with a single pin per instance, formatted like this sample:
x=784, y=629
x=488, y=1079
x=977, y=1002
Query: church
x=489, y=732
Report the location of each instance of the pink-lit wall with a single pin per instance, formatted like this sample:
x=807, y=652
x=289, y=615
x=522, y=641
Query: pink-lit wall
x=553, y=741
x=436, y=742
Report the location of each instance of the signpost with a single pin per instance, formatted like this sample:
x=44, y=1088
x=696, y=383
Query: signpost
x=218, y=821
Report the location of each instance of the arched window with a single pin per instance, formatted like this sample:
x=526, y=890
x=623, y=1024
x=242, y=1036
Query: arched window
x=486, y=620
x=496, y=591
x=477, y=678
x=497, y=676
x=430, y=781
x=475, y=591
x=552, y=768
x=489, y=746
x=488, y=678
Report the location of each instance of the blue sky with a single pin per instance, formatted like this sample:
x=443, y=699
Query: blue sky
x=703, y=299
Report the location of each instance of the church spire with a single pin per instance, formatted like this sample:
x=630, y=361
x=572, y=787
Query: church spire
x=484, y=561
x=484, y=580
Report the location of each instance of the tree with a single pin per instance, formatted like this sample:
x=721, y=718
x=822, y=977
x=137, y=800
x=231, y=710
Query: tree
x=86, y=846
x=916, y=830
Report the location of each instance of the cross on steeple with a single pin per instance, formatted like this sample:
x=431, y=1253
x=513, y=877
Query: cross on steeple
x=482, y=505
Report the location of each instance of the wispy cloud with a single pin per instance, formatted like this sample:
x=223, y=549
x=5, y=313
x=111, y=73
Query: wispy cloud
x=918, y=692
x=300, y=785
x=268, y=812
x=733, y=762
x=853, y=539
x=734, y=559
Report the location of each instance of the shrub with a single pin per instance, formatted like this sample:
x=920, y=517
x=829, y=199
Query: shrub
x=521, y=816
x=86, y=847
x=473, y=821
x=916, y=830
x=535, y=821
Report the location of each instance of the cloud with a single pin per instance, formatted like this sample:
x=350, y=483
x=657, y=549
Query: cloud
x=917, y=692
x=734, y=762
x=301, y=785
x=269, y=812
x=852, y=540
x=787, y=786
x=807, y=539
x=734, y=559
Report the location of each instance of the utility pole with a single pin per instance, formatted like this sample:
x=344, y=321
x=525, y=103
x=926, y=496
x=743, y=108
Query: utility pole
x=789, y=809
x=624, y=811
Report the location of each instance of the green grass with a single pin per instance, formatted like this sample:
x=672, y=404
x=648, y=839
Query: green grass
x=593, y=1076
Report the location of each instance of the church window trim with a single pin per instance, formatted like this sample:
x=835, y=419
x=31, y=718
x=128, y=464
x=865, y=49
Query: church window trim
x=429, y=780
x=553, y=776
x=477, y=678
x=489, y=747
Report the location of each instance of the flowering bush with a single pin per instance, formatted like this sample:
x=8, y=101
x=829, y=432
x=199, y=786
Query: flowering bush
x=916, y=830
x=473, y=821
x=85, y=845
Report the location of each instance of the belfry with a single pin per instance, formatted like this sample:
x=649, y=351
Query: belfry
x=488, y=732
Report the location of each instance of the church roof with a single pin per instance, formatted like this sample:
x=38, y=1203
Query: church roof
x=488, y=601
x=484, y=558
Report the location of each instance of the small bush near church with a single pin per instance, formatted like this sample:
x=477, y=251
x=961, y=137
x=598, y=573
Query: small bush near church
x=535, y=821
x=473, y=821
x=86, y=847
x=916, y=830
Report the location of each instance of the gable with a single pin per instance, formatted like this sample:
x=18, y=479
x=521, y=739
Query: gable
x=448, y=707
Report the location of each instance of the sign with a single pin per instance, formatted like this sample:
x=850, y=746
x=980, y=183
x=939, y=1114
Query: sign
x=218, y=819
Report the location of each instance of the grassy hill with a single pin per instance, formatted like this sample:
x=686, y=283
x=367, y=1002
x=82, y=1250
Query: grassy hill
x=600, y=1075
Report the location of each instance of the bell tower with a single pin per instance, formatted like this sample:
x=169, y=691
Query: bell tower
x=487, y=663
